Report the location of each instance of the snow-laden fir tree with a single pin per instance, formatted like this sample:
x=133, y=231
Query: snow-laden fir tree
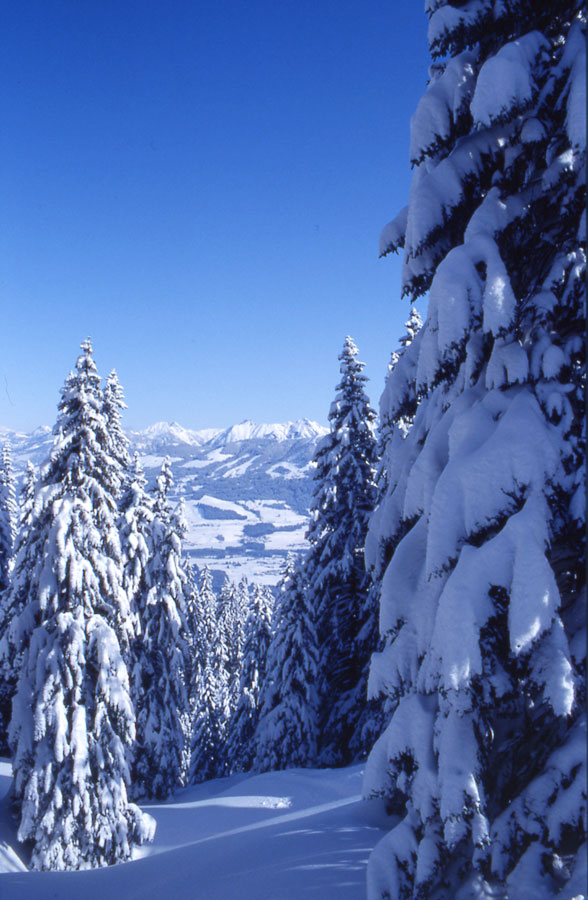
x=162, y=655
x=208, y=613
x=72, y=717
x=393, y=425
x=335, y=574
x=8, y=517
x=401, y=416
x=9, y=522
x=286, y=735
x=478, y=542
x=200, y=624
x=136, y=538
x=258, y=636
x=135, y=530
x=208, y=753
x=397, y=413
x=12, y=600
x=192, y=598
x=217, y=654
x=26, y=500
x=211, y=709
x=113, y=406
x=206, y=626
x=232, y=615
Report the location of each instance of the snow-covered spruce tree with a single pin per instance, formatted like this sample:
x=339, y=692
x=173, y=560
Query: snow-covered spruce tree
x=162, y=656
x=208, y=753
x=479, y=540
x=335, y=575
x=26, y=501
x=211, y=706
x=206, y=626
x=113, y=406
x=258, y=636
x=135, y=530
x=400, y=417
x=217, y=654
x=394, y=425
x=286, y=735
x=232, y=615
x=72, y=718
x=10, y=606
x=8, y=537
x=8, y=517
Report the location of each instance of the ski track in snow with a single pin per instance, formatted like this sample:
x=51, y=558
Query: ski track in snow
x=222, y=840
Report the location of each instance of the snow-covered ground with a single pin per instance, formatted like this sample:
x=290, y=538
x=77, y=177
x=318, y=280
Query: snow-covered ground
x=277, y=836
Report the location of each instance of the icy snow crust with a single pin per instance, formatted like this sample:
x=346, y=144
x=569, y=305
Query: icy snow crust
x=287, y=835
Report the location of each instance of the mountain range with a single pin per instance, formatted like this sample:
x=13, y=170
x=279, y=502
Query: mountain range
x=246, y=489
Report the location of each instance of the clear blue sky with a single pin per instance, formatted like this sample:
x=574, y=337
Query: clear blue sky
x=199, y=185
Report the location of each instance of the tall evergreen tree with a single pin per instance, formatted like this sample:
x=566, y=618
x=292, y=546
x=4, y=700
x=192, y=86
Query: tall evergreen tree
x=206, y=619
x=135, y=530
x=113, y=406
x=231, y=616
x=479, y=539
x=162, y=663
x=163, y=485
x=8, y=517
x=8, y=538
x=211, y=705
x=258, y=635
x=286, y=735
x=398, y=419
x=26, y=500
x=394, y=424
x=208, y=758
x=72, y=716
x=335, y=573
x=218, y=653
x=10, y=605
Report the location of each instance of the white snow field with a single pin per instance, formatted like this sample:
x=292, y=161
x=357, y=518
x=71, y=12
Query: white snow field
x=303, y=833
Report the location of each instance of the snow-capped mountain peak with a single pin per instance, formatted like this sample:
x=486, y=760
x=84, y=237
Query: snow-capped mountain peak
x=172, y=432
x=300, y=429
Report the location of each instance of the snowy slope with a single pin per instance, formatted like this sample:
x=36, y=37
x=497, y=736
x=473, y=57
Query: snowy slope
x=247, y=488
x=277, y=836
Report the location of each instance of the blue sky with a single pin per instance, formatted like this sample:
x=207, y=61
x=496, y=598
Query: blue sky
x=200, y=186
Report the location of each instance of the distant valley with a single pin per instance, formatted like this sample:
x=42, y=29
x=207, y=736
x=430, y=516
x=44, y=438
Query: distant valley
x=246, y=488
